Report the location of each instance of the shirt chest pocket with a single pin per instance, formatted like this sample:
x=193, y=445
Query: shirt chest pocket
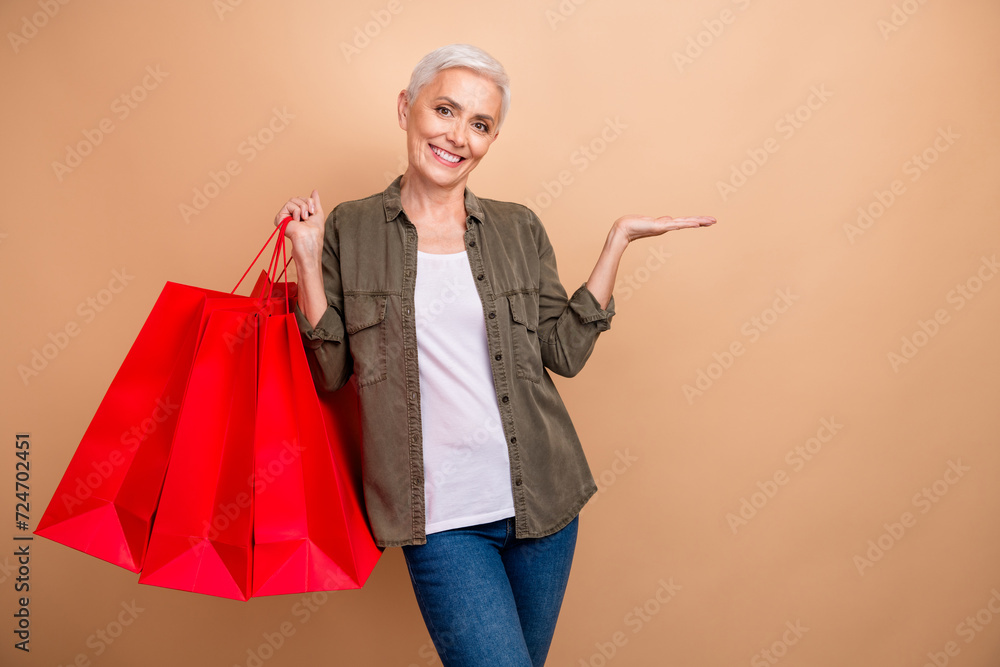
x=364, y=316
x=524, y=335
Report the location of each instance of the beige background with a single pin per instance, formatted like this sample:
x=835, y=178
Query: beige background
x=682, y=129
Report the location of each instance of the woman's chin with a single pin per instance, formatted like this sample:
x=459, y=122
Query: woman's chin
x=436, y=174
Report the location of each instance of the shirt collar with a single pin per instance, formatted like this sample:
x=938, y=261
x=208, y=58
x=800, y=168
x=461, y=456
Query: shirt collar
x=393, y=203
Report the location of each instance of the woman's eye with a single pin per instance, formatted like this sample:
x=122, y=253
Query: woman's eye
x=444, y=110
x=482, y=127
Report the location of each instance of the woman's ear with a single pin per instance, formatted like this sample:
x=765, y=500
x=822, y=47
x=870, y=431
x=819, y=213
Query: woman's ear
x=402, y=108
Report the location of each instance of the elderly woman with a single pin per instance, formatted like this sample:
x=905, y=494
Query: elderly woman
x=448, y=310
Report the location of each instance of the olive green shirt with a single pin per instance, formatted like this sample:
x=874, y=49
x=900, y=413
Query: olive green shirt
x=368, y=329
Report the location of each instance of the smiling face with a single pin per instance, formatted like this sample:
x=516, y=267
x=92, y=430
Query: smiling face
x=450, y=126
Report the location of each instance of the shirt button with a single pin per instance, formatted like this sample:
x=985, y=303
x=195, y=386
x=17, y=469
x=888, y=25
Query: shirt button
x=517, y=482
x=513, y=440
x=498, y=357
x=472, y=243
x=492, y=315
x=480, y=277
x=505, y=399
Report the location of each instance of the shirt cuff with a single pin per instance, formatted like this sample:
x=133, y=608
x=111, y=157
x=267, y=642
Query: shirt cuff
x=329, y=327
x=585, y=305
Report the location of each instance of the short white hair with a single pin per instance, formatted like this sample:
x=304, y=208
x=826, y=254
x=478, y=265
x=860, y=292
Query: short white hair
x=461, y=55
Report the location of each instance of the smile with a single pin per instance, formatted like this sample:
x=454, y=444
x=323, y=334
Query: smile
x=446, y=156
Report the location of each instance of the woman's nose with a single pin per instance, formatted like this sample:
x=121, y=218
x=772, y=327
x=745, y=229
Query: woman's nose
x=456, y=134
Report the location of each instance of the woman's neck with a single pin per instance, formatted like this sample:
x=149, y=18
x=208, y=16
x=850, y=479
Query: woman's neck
x=427, y=201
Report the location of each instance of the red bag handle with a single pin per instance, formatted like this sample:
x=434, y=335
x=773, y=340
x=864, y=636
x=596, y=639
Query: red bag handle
x=272, y=266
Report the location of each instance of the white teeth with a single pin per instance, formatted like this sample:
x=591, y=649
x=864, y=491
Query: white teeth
x=446, y=156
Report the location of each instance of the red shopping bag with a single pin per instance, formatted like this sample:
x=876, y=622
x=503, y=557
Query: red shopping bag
x=310, y=530
x=229, y=521
x=201, y=536
x=105, y=501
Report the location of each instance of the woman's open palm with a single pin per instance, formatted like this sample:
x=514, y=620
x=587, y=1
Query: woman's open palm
x=638, y=226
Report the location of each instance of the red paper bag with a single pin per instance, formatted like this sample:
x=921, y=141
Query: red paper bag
x=310, y=530
x=105, y=501
x=247, y=430
x=201, y=537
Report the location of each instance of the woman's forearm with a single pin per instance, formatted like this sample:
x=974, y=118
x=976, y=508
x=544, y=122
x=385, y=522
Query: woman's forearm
x=309, y=275
x=602, y=279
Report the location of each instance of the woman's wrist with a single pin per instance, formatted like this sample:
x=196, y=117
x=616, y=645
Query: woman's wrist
x=307, y=253
x=617, y=240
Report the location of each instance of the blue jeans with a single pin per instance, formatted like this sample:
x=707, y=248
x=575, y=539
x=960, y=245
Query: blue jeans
x=489, y=598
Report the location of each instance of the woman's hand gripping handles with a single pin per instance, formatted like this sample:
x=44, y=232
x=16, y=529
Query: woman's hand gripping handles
x=306, y=231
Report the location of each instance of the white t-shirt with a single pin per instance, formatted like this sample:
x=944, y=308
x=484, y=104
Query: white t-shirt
x=466, y=465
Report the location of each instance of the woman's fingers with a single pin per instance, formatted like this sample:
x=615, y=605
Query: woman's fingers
x=703, y=220
x=291, y=208
x=300, y=208
x=315, y=206
x=639, y=226
x=696, y=220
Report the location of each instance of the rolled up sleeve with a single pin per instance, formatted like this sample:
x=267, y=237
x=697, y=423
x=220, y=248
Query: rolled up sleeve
x=326, y=345
x=585, y=305
x=567, y=327
x=329, y=328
